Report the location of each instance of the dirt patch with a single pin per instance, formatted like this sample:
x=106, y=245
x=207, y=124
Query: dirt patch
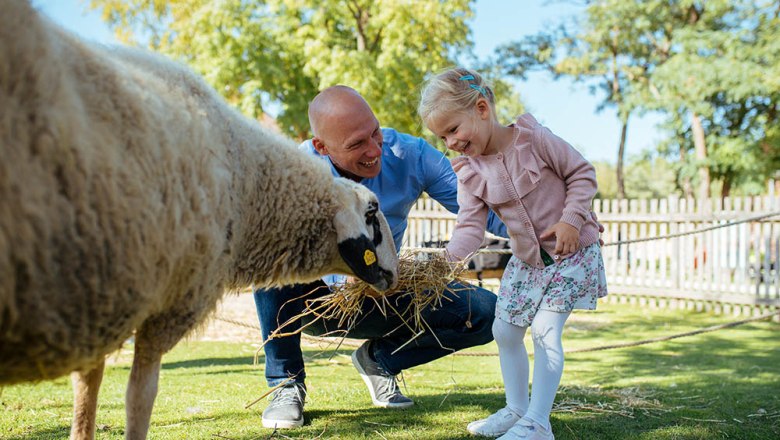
x=235, y=320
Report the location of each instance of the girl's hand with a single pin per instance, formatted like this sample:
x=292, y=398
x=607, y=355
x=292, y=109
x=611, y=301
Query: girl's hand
x=567, y=238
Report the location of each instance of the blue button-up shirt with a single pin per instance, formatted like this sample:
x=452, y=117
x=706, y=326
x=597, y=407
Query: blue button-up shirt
x=410, y=167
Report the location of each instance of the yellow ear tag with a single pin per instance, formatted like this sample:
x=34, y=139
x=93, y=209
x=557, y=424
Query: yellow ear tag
x=369, y=257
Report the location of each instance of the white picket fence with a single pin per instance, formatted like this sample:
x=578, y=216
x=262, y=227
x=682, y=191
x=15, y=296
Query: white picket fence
x=734, y=264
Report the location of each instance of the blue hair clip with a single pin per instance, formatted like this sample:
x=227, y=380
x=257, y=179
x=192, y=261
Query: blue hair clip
x=479, y=89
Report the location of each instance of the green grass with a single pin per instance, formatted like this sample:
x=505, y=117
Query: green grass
x=721, y=385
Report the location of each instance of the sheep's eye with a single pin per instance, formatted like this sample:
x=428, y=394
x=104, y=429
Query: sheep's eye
x=373, y=221
x=373, y=207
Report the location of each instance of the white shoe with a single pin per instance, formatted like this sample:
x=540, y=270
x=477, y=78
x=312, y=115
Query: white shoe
x=526, y=429
x=495, y=424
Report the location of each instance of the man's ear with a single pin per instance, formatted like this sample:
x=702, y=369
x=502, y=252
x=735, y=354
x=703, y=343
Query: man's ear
x=319, y=146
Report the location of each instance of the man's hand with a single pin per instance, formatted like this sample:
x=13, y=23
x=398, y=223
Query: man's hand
x=567, y=238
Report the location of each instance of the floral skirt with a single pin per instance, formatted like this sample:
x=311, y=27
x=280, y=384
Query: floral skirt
x=574, y=283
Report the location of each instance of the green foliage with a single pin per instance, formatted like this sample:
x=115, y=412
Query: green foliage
x=603, y=49
x=720, y=385
x=648, y=176
x=606, y=179
x=725, y=68
x=718, y=60
x=279, y=53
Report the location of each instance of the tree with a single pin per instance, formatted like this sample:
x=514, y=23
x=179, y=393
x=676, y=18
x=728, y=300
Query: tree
x=721, y=86
x=605, y=177
x=603, y=49
x=711, y=66
x=649, y=176
x=279, y=53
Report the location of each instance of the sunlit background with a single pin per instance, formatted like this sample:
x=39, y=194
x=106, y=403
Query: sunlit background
x=679, y=66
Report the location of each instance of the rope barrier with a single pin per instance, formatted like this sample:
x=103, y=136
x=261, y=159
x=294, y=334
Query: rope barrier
x=349, y=343
x=616, y=243
x=356, y=343
x=651, y=340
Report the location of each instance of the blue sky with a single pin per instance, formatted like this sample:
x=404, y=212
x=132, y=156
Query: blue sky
x=568, y=109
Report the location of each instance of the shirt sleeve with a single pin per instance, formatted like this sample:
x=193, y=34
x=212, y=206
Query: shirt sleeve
x=438, y=178
x=578, y=174
x=495, y=226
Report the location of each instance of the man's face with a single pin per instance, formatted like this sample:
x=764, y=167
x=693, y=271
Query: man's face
x=354, y=144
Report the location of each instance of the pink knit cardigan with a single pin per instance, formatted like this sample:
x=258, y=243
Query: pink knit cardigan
x=535, y=183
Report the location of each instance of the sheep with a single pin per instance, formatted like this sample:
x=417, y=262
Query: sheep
x=132, y=197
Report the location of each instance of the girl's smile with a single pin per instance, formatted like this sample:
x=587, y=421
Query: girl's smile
x=463, y=149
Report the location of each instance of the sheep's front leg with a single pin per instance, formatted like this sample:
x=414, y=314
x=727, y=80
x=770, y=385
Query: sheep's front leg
x=85, y=393
x=141, y=390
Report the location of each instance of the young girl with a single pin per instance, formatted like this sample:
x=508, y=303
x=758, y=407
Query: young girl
x=542, y=189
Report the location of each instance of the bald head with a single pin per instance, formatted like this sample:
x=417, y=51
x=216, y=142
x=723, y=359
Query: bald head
x=346, y=129
x=334, y=105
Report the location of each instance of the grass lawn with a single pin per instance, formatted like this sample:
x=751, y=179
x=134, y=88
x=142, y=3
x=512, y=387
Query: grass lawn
x=720, y=385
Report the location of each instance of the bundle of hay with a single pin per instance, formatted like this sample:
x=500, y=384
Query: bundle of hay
x=423, y=279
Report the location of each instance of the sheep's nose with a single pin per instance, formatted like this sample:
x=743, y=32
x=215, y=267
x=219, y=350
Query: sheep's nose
x=386, y=281
x=389, y=278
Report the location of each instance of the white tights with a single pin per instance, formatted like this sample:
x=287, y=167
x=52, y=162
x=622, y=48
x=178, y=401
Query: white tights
x=546, y=332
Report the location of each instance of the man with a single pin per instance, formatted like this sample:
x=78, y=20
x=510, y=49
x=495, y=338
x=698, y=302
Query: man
x=398, y=168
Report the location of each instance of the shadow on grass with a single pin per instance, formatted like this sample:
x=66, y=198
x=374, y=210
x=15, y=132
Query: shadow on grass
x=62, y=432
x=446, y=416
x=709, y=361
x=711, y=386
x=57, y=433
x=212, y=362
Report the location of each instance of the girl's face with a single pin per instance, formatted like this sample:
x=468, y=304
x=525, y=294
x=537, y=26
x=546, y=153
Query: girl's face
x=465, y=132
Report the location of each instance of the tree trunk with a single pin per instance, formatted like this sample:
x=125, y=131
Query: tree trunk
x=361, y=17
x=685, y=182
x=621, y=189
x=725, y=190
x=701, y=156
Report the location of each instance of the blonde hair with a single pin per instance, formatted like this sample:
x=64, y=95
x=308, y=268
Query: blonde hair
x=453, y=90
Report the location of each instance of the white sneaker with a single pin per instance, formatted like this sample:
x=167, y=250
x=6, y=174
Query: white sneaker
x=527, y=429
x=495, y=424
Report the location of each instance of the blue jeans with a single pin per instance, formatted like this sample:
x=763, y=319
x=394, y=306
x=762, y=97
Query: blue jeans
x=463, y=320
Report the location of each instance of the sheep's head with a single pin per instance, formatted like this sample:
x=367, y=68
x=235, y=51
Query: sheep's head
x=365, y=241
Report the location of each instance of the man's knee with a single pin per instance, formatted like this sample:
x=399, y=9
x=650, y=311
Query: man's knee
x=482, y=313
x=482, y=302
